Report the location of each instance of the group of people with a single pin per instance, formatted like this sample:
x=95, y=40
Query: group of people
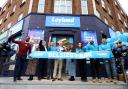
x=52, y=68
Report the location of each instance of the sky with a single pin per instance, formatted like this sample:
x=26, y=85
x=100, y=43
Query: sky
x=124, y=4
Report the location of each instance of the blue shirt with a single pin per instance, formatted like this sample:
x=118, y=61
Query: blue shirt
x=78, y=50
x=104, y=47
x=91, y=47
x=52, y=49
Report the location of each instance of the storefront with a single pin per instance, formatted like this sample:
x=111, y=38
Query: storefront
x=69, y=28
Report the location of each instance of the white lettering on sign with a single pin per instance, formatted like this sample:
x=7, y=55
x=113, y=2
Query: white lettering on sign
x=63, y=20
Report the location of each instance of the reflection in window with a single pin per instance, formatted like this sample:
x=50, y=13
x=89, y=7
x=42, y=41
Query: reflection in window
x=63, y=6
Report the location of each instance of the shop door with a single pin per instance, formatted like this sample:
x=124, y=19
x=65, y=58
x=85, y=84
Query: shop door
x=68, y=40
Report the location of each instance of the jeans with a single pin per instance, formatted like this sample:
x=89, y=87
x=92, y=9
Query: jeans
x=20, y=61
x=50, y=68
x=110, y=66
x=71, y=67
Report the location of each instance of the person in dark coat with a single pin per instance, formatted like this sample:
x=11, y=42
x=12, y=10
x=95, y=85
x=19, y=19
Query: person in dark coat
x=42, y=63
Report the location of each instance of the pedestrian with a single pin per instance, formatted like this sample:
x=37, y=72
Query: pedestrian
x=32, y=63
x=24, y=48
x=58, y=64
x=50, y=66
x=42, y=63
x=110, y=65
x=71, y=65
x=95, y=63
x=82, y=64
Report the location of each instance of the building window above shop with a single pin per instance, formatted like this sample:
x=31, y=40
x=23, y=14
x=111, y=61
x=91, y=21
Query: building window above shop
x=125, y=24
x=20, y=17
x=84, y=6
x=119, y=16
x=103, y=3
x=63, y=6
x=14, y=8
x=7, y=15
x=41, y=6
x=9, y=25
x=97, y=13
x=109, y=11
x=1, y=21
x=113, y=28
x=106, y=21
x=122, y=30
x=23, y=1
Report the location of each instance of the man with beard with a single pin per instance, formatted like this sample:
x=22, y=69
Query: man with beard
x=24, y=48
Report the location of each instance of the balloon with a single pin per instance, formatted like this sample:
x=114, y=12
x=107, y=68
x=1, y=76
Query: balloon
x=118, y=33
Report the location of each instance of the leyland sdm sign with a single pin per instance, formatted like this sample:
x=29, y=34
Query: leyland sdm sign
x=62, y=21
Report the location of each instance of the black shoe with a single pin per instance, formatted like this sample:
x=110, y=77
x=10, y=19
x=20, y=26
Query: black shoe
x=14, y=80
x=84, y=80
x=39, y=78
x=71, y=78
x=48, y=78
x=19, y=79
x=30, y=79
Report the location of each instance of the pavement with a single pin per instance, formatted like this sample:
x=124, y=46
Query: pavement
x=7, y=83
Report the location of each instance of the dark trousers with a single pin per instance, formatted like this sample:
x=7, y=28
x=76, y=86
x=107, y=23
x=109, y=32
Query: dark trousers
x=20, y=61
x=42, y=68
x=50, y=68
x=2, y=61
x=95, y=68
x=82, y=68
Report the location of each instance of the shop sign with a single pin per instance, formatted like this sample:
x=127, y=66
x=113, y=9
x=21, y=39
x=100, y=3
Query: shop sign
x=62, y=21
x=70, y=55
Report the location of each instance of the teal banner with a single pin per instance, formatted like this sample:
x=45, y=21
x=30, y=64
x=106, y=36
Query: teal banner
x=70, y=55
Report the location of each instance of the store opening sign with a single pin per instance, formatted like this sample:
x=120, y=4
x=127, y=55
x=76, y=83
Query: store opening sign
x=62, y=21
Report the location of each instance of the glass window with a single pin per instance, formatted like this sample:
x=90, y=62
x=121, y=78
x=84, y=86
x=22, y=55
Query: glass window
x=109, y=11
x=23, y=1
x=41, y=6
x=1, y=21
x=103, y=3
x=14, y=8
x=113, y=28
x=106, y=21
x=84, y=6
x=63, y=6
x=125, y=24
x=20, y=17
x=122, y=30
x=97, y=13
x=9, y=25
x=119, y=17
x=7, y=15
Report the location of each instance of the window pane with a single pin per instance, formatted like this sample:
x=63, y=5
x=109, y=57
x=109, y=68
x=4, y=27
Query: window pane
x=63, y=6
x=41, y=6
x=84, y=6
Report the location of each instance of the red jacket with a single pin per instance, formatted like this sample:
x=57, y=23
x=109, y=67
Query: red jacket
x=24, y=47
